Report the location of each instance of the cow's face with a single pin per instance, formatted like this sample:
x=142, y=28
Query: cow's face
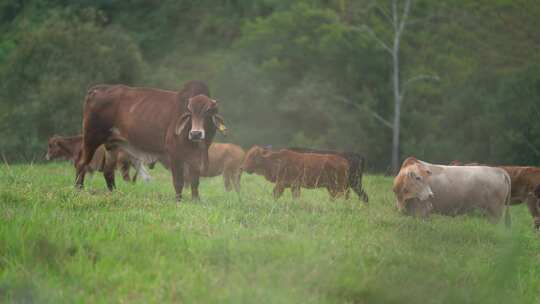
x=418, y=208
x=411, y=184
x=56, y=149
x=253, y=160
x=201, y=112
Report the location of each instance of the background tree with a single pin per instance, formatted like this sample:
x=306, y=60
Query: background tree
x=305, y=72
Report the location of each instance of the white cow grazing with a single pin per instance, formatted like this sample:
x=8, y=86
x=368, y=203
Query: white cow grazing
x=422, y=188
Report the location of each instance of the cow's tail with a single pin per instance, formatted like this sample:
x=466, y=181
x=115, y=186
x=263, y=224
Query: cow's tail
x=507, y=218
x=362, y=193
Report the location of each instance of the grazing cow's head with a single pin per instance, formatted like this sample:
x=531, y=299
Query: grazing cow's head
x=57, y=149
x=411, y=184
x=254, y=159
x=200, y=118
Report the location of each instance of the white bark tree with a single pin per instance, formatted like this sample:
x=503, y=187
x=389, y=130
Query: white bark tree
x=397, y=17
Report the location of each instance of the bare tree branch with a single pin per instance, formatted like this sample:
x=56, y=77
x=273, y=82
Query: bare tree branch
x=378, y=117
x=394, y=16
x=364, y=28
x=414, y=79
x=404, y=16
x=384, y=12
x=421, y=77
x=423, y=20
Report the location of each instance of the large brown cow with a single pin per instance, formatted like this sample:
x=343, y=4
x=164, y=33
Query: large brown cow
x=288, y=169
x=525, y=188
x=422, y=188
x=151, y=124
x=69, y=148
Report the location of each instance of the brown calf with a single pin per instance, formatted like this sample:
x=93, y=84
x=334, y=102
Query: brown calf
x=288, y=169
x=526, y=188
x=223, y=159
x=69, y=148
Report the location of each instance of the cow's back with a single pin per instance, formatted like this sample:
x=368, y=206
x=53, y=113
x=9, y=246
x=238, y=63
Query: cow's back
x=458, y=190
x=313, y=170
x=524, y=181
x=139, y=116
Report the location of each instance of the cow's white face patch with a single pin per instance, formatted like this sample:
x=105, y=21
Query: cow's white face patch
x=417, y=186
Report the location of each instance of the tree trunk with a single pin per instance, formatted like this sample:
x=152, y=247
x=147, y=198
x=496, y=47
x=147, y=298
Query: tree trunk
x=398, y=27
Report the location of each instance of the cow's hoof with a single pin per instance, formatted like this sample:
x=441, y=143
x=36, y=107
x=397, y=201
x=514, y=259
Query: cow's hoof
x=537, y=223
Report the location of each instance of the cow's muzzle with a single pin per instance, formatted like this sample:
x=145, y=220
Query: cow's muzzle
x=196, y=135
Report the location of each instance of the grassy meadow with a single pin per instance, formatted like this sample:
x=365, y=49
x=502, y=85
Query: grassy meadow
x=136, y=245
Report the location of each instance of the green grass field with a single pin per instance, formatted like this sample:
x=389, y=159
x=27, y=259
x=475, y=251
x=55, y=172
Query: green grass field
x=136, y=245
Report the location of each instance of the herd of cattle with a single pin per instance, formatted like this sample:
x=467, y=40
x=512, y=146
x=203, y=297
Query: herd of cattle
x=126, y=127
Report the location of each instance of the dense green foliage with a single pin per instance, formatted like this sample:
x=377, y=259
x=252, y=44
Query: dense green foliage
x=136, y=245
x=287, y=72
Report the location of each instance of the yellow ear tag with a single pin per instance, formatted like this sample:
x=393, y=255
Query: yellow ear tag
x=222, y=127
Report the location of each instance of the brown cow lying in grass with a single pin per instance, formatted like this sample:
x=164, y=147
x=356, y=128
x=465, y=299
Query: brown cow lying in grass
x=525, y=188
x=288, y=169
x=69, y=148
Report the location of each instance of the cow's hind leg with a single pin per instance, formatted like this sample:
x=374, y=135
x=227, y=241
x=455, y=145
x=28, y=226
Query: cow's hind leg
x=333, y=193
x=124, y=169
x=236, y=180
x=227, y=180
x=109, y=168
x=533, y=205
x=87, y=153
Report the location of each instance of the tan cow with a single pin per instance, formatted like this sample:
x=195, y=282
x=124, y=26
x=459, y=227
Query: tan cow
x=288, y=169
x=422, y=188
x=224, y=159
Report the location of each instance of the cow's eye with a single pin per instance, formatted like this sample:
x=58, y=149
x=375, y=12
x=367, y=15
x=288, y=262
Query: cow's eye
x=418, y=178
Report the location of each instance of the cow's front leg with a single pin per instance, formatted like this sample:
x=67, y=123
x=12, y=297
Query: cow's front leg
x=194, y=176
x=532, y=203
x=295, y=191
x=177, y=170
x=278, y=190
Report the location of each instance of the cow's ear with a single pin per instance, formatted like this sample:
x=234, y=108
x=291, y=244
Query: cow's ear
x=181, y=124
x=219, y=122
